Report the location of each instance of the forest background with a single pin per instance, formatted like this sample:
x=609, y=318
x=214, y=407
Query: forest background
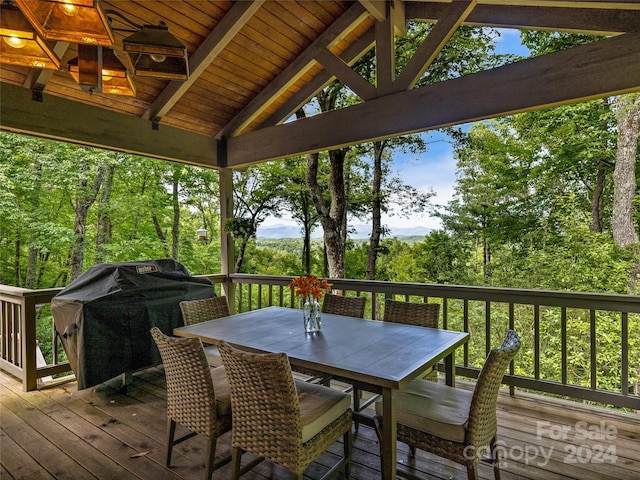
x=542, y=200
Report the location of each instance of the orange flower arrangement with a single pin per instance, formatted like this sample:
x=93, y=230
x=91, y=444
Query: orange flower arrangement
x=306, y=285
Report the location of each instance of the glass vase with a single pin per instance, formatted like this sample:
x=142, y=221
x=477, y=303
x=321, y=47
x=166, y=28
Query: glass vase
x=311, y=314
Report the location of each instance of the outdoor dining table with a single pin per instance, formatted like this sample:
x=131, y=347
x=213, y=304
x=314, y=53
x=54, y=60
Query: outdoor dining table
x=379, y=357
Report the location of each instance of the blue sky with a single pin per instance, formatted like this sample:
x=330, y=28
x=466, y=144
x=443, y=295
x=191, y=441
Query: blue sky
x=433, y=170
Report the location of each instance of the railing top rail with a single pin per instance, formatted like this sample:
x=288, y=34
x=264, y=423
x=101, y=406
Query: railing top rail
x=596, y=301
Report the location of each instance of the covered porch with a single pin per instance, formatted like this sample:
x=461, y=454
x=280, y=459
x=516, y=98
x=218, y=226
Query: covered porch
x=234, y=111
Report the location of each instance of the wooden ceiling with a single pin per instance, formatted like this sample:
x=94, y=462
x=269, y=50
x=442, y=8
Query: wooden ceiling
x=254, y=63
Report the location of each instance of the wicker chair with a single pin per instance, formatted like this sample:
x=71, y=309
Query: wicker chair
x=197, y=311
x=418, y=314
x=453, y=423
x=198, y=396
x=277, y=418
x=347, y=306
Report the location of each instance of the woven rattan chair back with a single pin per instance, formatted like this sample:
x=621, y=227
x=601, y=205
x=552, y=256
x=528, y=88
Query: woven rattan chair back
x=347, y=306
x=419, y=314
x=482, y=424
x=191, y=399
x=266, y=411
x=197, y=311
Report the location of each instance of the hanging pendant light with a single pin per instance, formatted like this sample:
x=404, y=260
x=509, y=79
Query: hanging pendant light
x=20, y=44
x=97, y=69
x=76, y=21
x=155, y=52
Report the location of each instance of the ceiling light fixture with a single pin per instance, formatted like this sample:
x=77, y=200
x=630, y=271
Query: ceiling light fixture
x=98, y=69
x=76, y=21
x=155, y=52
x=21, y=44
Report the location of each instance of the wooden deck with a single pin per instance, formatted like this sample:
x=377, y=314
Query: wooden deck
x=108, y=433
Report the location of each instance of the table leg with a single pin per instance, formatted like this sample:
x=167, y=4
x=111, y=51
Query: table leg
x=450, y=369
x=389, y=435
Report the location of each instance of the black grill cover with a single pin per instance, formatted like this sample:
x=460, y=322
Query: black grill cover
x=104, y=316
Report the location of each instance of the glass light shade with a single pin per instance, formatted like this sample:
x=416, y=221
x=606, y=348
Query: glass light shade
x=76, y=21
x=155, y=52
x=20, y=43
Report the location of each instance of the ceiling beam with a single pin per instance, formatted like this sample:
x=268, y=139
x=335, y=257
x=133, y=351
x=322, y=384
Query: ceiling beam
x=216, y=42
x=348, y=76
x=577, y=74
x=598, y=21
x=321, y=80
x=66, y=120
x=294, y=70
x=385, y=57
x=437, y=38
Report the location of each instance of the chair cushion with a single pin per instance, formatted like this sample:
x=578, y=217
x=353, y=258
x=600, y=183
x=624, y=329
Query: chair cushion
x=433, y=408
x=319, y=406
x=221, y=390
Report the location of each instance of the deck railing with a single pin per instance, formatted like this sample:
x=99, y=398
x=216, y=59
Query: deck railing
x=584, y=346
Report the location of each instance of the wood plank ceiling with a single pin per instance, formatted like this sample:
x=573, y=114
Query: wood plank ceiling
x=254, y=63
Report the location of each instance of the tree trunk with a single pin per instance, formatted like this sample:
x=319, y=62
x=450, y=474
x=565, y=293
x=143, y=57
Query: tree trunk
x=175, y=228
x=103, y=235
x=307, y=225
x=84, y=199
x=624, y=174
x=376, y=211
x=32, y=264
x=16, y=263
x=331, y=218
x=597, y=208
x=160, y=233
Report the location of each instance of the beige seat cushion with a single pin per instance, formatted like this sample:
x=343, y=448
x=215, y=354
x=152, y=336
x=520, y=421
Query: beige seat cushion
x=433, y=408
x=319, y=406
x=221, y=390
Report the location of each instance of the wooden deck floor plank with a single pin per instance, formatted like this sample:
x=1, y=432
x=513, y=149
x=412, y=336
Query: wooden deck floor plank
x=16, y=463
x=135, y=440
x=579, y=442
x=39, y=447
x=87, y=446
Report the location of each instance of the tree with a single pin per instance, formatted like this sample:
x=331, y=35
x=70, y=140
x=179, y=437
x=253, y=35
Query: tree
x=257, y=193
x=624, y=175
x=85, y=197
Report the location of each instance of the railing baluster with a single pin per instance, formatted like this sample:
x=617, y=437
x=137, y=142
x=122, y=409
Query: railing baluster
x=512, y=389
x=594, y=363
x=536, y=341
x=487, y=327
x=563, y=340
x=445, y=313
x=465, y=328
x=624, y=334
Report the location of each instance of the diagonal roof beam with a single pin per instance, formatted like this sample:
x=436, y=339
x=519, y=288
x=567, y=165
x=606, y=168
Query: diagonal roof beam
x=295, y=69
x=572, y=75
x=426, y=53
x=343, y=72
x=218, y=39
x=597, y=20
x=311, y=88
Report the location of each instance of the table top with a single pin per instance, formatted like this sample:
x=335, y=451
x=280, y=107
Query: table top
x=382, y=354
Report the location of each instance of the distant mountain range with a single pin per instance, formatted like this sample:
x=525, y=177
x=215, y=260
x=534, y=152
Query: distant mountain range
x=278, y=231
